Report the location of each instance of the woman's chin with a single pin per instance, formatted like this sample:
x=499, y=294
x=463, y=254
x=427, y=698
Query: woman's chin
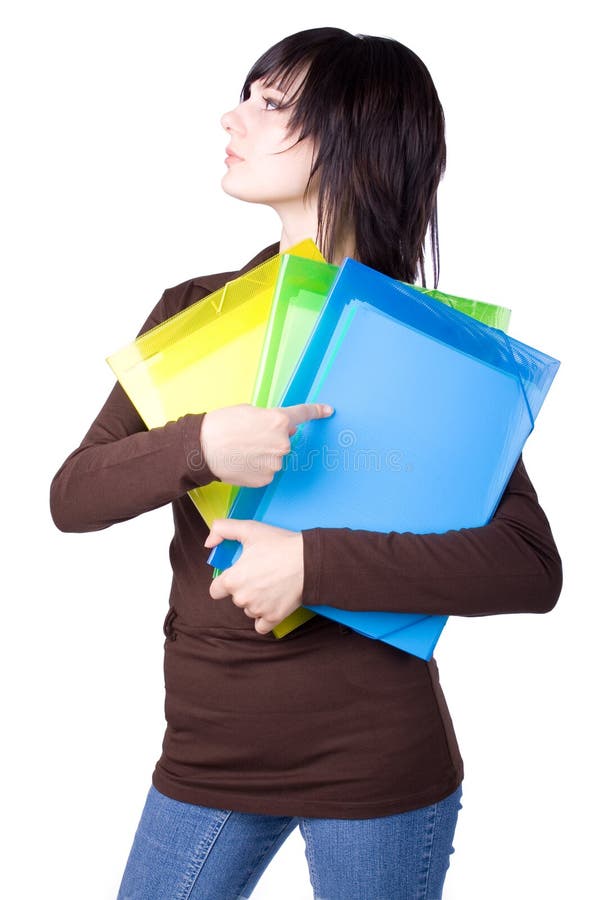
x=240, y=194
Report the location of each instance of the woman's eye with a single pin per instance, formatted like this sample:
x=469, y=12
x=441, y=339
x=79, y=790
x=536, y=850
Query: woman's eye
x=273, y=104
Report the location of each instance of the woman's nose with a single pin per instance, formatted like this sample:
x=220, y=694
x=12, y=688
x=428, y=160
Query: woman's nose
x=230, y=121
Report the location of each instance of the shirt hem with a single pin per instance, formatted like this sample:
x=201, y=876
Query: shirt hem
x=331, y=809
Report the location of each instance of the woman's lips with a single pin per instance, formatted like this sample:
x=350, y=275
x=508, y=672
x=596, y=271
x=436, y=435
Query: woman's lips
x=232, y=158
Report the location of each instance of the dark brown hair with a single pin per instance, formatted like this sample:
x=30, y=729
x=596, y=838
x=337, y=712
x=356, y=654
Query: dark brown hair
x=371, y=107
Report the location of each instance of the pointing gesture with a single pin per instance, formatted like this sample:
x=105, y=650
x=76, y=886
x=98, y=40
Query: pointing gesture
x=244, y=444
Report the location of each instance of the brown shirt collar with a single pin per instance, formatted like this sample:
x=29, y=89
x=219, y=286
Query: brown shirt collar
x=213, y=282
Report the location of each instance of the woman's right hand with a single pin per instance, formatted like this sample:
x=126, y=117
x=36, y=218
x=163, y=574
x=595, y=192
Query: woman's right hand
x=244, y=444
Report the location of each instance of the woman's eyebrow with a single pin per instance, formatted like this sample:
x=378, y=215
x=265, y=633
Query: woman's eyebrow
x=262, y=85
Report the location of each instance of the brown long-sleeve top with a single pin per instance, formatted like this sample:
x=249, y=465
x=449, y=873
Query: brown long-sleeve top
x=323, y=722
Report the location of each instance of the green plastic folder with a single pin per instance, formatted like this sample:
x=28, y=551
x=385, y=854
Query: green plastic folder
x=486, y=313
x=302, y=288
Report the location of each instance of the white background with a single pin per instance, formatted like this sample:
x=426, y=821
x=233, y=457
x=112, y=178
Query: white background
x=113, y=155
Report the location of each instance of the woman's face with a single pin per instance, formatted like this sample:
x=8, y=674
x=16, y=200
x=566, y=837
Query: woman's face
x=264, y=164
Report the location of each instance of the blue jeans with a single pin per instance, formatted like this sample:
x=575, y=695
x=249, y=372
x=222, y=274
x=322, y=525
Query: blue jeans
x=182, y=851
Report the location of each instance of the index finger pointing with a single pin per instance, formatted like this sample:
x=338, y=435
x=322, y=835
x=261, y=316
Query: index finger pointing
x=303, y=412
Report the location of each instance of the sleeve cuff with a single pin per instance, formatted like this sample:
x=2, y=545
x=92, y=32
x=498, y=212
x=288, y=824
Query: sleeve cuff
x=196, y=463
x=311, y=541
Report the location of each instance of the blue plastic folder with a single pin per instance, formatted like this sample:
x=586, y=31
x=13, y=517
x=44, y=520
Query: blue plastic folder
x=432, y=411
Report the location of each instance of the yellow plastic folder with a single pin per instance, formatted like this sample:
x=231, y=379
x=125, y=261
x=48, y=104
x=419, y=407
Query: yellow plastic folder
x=203, y=358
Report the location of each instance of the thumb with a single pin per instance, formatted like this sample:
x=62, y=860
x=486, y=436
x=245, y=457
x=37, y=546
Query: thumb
x=302, y=412
x=226, y=529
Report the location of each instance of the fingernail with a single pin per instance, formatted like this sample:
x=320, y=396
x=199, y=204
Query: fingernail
x=328, y=409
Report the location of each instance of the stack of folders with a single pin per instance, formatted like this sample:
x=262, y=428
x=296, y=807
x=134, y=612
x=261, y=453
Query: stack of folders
x=395, y=362
x=432, y=409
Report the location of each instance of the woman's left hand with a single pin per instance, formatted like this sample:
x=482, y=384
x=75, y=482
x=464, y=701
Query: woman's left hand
x=268, y=578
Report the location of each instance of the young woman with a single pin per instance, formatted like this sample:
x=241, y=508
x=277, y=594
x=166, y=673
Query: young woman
x=346, y=737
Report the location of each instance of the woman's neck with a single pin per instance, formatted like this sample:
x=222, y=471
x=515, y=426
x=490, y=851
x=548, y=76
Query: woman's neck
x=297, y=224
x=303, y=225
